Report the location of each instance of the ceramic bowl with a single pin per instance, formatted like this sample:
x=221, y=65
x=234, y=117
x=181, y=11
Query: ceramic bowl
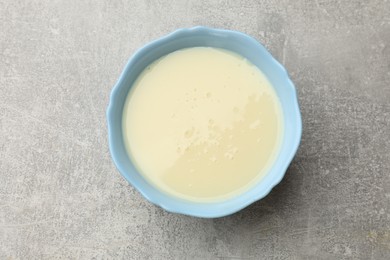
x=231, y=40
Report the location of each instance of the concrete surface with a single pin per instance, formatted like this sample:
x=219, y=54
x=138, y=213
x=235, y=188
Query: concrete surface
x=62, y=198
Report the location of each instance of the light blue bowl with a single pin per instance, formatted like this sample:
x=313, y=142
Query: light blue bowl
x=230, y=40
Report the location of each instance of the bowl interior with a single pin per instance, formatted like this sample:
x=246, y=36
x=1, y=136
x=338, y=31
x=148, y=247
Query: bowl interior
x=230, y=40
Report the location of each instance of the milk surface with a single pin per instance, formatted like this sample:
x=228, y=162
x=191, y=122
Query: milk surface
x=202, y=124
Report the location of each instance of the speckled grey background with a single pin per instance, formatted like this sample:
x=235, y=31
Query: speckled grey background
x=62, y=198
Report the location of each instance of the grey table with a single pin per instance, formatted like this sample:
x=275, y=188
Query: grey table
x=61, y=196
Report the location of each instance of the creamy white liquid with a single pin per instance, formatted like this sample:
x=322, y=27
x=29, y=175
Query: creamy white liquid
x=202, y=124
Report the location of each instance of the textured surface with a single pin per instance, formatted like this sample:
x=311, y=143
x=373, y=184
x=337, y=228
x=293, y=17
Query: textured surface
x=61, y=196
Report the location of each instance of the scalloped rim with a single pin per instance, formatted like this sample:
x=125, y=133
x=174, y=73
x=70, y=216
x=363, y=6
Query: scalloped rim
x=205, y=210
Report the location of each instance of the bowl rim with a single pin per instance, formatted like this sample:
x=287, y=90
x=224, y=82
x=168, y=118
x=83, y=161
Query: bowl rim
x=169, y=203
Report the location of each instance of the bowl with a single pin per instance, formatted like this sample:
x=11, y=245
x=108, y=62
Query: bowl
x=202, y=36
